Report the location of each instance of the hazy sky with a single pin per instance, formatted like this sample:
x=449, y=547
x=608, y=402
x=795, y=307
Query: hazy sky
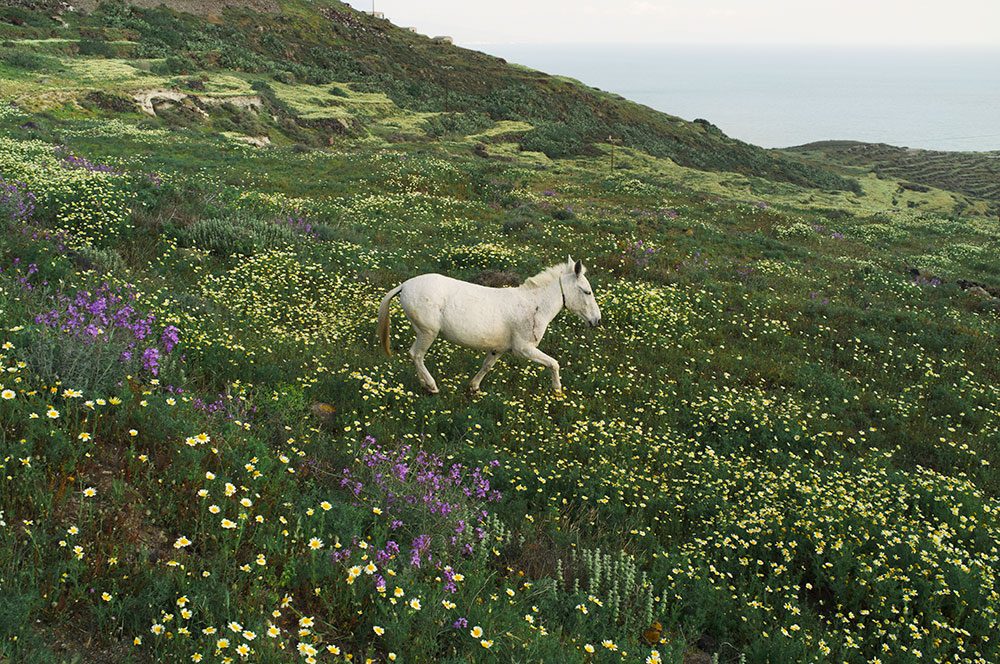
x=828, y=22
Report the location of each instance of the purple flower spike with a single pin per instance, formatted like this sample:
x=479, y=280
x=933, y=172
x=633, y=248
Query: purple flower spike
x=169, y=338
x=151, y=360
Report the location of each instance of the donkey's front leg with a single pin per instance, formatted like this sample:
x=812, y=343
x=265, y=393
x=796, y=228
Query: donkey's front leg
x=536, y=355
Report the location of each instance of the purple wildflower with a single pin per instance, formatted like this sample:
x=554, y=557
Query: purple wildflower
x=419, y=546
x=70, y=160
x=169, y=338
x=17, y=203
x=151, y=360
x=300, y=225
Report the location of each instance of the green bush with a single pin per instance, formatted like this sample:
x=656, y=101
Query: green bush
x=236, y=236
x=457, y=124
x=90, y=46
x=233, y=118
x=555, y=139
x=101, y=260
x=518, y=220
x=174, y=65
x=799, y=229
x=20, y=59
x=563, y=214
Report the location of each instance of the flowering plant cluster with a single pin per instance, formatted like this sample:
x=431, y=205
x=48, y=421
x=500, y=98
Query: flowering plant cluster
x=638, y=254
x=70, y=160
x=21, y=273
x=439, y=507
x=17, y=202
x=105, y=324
x=299, y=224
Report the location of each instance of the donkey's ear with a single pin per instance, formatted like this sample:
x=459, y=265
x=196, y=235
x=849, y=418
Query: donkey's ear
x=569, y=260
x=579, y=269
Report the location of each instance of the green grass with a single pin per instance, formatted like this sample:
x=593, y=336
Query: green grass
x=779, y=444
x=312, y=102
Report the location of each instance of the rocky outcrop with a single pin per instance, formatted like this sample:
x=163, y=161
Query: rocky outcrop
x=979, y=289
x=149, y=100
x=245, y=102
x=256, y=141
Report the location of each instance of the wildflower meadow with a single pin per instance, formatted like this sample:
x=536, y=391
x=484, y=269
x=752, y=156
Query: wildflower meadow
x=781, y=445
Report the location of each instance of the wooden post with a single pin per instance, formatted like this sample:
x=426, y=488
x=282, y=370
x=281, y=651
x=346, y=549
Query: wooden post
x=613, y=142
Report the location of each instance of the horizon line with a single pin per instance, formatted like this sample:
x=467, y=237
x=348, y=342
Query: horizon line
x=865, y=45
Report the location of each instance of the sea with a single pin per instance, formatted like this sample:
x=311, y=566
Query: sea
x=937, y=98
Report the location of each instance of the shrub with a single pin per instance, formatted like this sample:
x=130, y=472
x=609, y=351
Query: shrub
x=25, y=16
x=174, y=65
x=101, y=260
x=798, y=229
x=456, y=124
x=237, y=236
x=233, y=118
x=638, y=254
x=878, y=233
x=563, y=213
x=555, y=139
x=90, y=46
x=518, y=219
x=21, y=59
x=109, y=102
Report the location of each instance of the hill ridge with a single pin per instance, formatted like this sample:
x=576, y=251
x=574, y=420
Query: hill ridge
x=328, y=41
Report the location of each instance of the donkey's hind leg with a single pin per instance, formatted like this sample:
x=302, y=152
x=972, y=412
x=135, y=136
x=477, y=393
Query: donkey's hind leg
x=417, y=351
x=491, y=359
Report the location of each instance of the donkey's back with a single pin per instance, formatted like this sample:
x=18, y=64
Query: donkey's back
x=476, y=316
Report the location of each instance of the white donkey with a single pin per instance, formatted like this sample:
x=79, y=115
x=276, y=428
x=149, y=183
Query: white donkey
x=496, y=320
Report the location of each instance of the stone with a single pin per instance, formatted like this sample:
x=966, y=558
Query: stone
x=323, y=411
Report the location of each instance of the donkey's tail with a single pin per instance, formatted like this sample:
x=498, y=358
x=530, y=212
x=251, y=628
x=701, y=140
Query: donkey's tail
x=383, y=318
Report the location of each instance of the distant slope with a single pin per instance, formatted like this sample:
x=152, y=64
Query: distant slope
x=325, y=41
x=976, y=174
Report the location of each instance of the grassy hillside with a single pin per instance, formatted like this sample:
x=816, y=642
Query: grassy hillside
x=782, y=445
x=320, y=43
x=976, y=174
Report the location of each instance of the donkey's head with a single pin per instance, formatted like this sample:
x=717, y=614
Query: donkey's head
x=578, y=294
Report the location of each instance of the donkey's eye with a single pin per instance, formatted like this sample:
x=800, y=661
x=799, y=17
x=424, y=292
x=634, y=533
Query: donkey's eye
x=587, y=292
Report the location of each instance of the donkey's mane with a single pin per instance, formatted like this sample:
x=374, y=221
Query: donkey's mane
x=546, y=276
